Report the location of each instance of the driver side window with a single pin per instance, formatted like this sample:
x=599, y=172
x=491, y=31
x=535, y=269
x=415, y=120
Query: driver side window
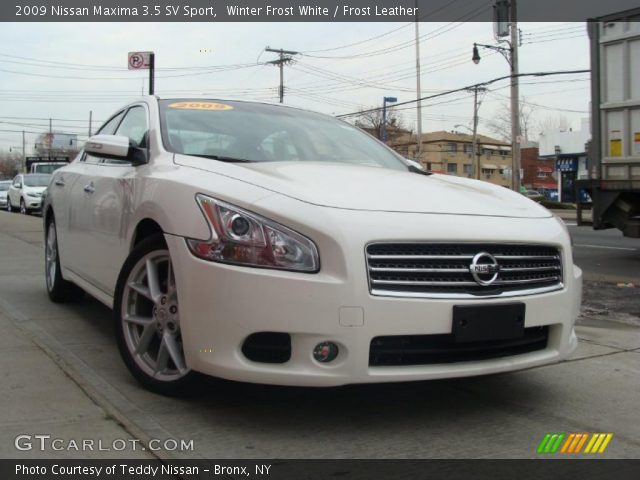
x=135, y=126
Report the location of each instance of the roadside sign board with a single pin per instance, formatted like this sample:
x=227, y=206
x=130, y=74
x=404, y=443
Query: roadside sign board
x=139, y=60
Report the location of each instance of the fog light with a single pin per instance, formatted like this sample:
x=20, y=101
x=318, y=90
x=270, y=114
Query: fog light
x=325, y=352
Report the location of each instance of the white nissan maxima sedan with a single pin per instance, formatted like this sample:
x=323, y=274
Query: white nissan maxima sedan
x=269, y=244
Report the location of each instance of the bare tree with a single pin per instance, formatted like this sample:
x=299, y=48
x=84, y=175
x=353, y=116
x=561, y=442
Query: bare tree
x=371, y=121
x=500, y=123
x=9, y=164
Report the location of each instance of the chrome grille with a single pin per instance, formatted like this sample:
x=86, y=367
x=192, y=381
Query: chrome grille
x=444, y=269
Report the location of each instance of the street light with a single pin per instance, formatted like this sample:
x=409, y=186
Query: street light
x=476, y=55
x=384, y=115
x=510, y=54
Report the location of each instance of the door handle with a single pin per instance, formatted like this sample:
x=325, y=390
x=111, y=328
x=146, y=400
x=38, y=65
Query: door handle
x=59, y=182
x=89, y=188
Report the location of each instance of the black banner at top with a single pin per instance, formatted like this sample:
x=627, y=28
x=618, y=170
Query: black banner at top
x=301, y=10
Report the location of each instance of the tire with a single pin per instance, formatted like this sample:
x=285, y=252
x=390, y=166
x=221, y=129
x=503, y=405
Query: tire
x=147, y=322
x=9, y=207
x=23, y=207
x=59, y=290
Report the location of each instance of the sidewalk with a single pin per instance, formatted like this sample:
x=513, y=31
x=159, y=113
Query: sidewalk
x=40, y=399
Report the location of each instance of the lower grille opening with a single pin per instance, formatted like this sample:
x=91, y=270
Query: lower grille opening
x=267, y=347
x=430, y=349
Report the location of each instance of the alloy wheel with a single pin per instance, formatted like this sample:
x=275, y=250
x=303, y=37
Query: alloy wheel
x=150, y=318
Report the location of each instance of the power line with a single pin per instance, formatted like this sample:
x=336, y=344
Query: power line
x=488, y=82
x=427, y=36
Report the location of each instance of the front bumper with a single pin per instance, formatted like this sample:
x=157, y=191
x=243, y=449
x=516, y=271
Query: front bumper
x=221, y=305
x=33, y=203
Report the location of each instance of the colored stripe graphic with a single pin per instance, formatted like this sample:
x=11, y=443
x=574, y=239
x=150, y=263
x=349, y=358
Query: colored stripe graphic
x=550, y=443
x=567, y=442
x=572, y=443
x=581, y=443
x=598, y=443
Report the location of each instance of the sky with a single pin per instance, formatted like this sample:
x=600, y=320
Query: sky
x=65, y=70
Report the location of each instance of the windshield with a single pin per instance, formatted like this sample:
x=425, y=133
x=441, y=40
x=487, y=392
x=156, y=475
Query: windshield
x=48, y=167
x=239, y=131
x=36, y=180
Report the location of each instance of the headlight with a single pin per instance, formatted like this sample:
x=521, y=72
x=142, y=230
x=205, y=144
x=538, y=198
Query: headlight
x=243, y=238
x=564, y=227
x=33, y=194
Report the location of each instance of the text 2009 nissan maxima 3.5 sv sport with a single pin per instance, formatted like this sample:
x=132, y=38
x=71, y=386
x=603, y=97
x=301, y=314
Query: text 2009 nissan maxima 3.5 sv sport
x=268, y=244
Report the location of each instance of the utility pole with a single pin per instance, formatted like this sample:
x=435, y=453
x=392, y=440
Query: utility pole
x=284, y=59
x=90, y=115
x=511, y=55
x=418, y=88
x=515, y=98
x=24, y=154
x=50, y=140
x=474, y=148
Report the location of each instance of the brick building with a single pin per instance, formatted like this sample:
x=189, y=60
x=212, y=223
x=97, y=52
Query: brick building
x=452, y=153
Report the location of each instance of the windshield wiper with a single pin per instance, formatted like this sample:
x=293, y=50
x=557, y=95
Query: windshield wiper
x=221, y=158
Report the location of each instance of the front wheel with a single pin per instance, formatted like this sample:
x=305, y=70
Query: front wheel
x=147, y=320
x=9, y=207
x=23, y=207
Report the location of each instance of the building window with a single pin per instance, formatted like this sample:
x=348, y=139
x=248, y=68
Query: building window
x=487, y=152
x=487, y=171
x=468, y=148
x=429, y=166
x=467, y=168
x=451, y=147
x=503, y=153
x=542, y=175
x=452, y=167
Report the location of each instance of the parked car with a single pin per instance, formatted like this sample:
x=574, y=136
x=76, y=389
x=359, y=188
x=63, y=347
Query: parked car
x=4, y=189
x=25, y=192
x=269, y=244
x=534, y=195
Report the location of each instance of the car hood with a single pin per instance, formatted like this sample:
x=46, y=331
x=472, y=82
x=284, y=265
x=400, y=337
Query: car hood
x=359, y=187
x=28, y=189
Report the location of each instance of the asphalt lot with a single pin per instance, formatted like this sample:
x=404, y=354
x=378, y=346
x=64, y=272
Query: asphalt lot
x=605, y=254
x=499, y=416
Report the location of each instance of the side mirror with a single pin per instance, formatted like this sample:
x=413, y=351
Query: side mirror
x=413, y=163
x=115, y=147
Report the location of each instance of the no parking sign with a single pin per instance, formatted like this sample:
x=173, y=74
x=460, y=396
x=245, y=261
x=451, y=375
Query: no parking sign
x=139, y=60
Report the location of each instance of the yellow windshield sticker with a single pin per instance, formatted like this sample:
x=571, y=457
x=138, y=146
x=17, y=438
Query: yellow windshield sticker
x=201, y=106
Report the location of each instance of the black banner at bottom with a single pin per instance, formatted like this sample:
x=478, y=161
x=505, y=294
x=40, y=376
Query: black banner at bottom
x=546, y=469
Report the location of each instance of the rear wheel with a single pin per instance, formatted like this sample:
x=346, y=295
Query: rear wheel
x=58, y=288
x=147, y=320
